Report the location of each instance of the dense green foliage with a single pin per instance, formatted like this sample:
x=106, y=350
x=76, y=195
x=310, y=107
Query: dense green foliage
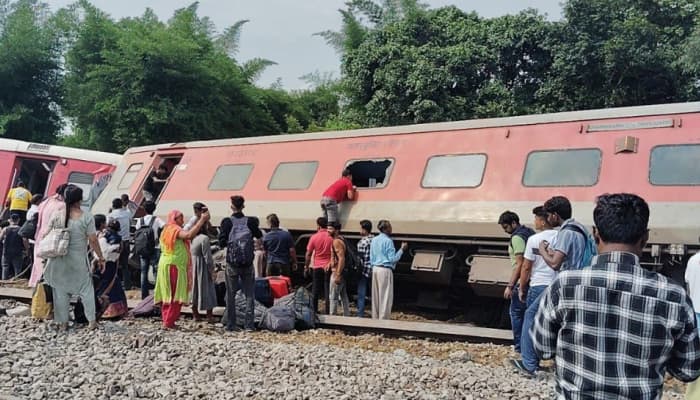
x=445, y=64
x=30, y=73
x=138, y=81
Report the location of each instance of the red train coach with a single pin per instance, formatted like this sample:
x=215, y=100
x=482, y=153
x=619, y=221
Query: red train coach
x=444, y=185
x=44, y=167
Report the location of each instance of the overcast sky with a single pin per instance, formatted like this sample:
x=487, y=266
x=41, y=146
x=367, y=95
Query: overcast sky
x=282, y=30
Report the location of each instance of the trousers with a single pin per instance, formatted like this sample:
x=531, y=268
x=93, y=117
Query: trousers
x=61, y=303
x=171, y=311
x=338, y=292
x=320, y=285
x=248, y=282
x=382, y=292
x=330, y=209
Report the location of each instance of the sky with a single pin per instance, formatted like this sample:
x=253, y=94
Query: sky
x=282, y=30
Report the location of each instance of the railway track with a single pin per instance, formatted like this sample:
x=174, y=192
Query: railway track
x=354, y=325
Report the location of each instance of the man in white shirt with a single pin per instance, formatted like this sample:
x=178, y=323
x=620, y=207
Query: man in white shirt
x=535, y=277
x=123, y=215
x=692, y=280
x=198, y=208
x=151, y=260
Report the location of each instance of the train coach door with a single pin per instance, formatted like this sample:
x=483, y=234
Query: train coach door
x=34, y=172
x=155, y=184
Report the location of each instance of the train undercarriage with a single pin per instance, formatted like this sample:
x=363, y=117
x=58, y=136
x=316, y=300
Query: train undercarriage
x=463, y=279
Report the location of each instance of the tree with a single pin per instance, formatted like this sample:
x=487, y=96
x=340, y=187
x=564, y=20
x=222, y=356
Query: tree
x=141, y=81
x=30, y=72
x=621, y=53
x=445, y=64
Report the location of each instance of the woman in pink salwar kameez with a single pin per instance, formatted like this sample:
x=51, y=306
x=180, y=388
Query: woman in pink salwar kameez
x=47, y=208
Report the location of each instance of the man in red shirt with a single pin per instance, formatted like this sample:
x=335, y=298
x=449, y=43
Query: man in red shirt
x=319, y=248
x=335, y=194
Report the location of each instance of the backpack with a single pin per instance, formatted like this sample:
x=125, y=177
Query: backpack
x=353, y=263
x=239, y=249
x=590, y=248
x=524, y=232
x=144, y=239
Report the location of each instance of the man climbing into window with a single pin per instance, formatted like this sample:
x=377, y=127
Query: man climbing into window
x=339, y=191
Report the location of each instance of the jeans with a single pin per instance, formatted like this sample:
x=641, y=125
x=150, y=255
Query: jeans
x=517, y=313
x=362, y=294
x=11, y=266
x=248, y=281
x=339, y=292
x=530, y=359
x=330, y=209
x=320, y=281
x=146, y=262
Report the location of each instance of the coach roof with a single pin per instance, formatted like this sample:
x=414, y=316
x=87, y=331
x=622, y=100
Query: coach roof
x=569, y=116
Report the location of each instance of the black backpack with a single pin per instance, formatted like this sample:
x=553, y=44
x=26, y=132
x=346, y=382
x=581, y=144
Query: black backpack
x=144, y=239
x=13, y=244
x=239, y=248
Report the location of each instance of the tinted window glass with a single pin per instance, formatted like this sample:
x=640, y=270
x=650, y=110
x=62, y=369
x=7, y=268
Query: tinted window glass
x=129, y=176
x=293, y=175
x=451, y=171
x=231, y=177
x=675, y=165
x=562, y=168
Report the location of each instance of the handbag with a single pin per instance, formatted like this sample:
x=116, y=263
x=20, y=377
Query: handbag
x=42, y=300
x=55, y=243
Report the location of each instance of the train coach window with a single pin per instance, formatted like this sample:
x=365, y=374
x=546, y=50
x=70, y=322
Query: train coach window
x=675, y=165
x=82, y=180
x=293, y=175
x=231, y=177
x=577, y=167
x=370, y=173
x=129, y=176
x=454, y=171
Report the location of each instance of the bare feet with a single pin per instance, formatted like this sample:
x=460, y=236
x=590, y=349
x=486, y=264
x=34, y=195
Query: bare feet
x=92, y=325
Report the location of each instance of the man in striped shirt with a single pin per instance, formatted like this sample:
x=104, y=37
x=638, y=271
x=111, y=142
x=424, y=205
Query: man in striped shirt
x=615, y=328
x=363, y=248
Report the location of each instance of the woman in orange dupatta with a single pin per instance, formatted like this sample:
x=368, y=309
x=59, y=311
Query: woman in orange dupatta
x=174, y=279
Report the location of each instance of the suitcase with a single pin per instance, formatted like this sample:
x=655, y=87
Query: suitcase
x=280, y=286
x=262, y=292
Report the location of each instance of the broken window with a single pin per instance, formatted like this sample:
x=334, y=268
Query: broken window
x=370, y=173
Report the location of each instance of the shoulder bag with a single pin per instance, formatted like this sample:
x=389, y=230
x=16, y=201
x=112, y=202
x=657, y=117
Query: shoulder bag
x=55, y=243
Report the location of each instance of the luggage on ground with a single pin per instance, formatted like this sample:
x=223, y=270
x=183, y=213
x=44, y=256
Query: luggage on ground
x=279, y=318
x=263, y=294
x=259, y=311
x=280, y=286
x=301, y=302
x=146, y=308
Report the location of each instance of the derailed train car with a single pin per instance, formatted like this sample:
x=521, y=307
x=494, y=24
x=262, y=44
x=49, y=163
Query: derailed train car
x=444, y=185
x=44, y=167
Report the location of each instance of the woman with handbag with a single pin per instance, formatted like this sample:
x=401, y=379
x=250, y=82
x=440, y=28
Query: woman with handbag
x=174, y=280
x=67, y=269
x=48, y=208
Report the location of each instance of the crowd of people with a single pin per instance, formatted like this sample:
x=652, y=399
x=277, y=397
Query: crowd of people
x=582, y=298
x=613, y=327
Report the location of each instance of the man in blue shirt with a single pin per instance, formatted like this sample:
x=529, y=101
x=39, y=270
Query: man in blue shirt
x=279, y=249
x=383, y=257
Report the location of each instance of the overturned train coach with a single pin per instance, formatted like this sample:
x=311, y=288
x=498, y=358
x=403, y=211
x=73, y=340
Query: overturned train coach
x=44, y=167
x=444, y=185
